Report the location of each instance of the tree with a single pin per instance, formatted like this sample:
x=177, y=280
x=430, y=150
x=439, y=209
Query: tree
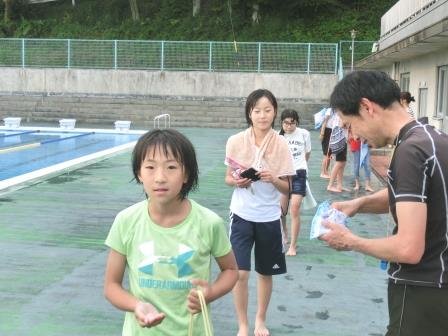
x=134, y=10
x=196, y=7
x=8, y=10
x=256, y=13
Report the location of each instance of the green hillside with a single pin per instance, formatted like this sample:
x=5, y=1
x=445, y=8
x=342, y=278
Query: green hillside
x=221, y=20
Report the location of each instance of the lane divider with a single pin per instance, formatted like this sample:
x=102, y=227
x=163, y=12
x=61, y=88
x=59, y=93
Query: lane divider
x=43, y=142
x=20, y=133
x=21, y=147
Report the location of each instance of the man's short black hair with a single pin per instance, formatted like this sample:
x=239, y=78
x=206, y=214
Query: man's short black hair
x=376, y=86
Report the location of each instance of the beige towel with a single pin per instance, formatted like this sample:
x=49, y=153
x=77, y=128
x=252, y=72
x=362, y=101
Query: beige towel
x=273, y=154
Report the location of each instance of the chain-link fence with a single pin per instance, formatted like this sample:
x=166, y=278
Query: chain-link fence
x=352, y=51
x=170, y=55
x=177, y=55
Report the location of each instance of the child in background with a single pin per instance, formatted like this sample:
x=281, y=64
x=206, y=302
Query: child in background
x=358, y=147
x=299, y=143
x=167, y=242
x=255, y=205
x=337, y=172
x=324, y=136
x=405, y=99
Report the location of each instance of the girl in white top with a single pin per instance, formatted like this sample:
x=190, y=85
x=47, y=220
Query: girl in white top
x=255, y=205
x=299, y=143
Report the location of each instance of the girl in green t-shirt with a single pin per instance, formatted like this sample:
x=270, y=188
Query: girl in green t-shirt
x=167, y=242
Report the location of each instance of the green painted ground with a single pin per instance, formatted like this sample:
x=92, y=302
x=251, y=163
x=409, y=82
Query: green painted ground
x=51, y=243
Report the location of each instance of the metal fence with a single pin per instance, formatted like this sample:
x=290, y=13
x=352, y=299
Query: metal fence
x=352, y=51
x=170, y=55
x=311, y=58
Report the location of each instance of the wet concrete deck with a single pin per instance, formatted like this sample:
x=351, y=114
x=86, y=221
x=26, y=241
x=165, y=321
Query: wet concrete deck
x=51, y=242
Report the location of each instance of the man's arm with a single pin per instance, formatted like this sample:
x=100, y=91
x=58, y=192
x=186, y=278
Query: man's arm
x=376, y=203
x=406, y=246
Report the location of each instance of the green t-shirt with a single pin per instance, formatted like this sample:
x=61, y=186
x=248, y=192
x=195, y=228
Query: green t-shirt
x=161, y=261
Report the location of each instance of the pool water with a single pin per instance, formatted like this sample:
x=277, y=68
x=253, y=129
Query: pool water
x=25, y=151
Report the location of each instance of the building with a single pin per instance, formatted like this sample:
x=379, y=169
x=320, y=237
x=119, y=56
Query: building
x=413, y=50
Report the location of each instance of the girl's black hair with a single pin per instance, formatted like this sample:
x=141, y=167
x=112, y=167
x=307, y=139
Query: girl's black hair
x=407, y=96
x=168, y=140
x=289, y=113
x=252, y=99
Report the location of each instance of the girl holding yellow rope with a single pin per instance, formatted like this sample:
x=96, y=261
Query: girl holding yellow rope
x=167, y=242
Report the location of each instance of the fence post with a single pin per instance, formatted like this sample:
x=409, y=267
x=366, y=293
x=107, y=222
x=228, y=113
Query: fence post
x=115, y=54
x=162, y=55
x=308, y=59
x=336, y=59
x=210, y=50
x=23, y=53
x=68, y=53
x=259, y=57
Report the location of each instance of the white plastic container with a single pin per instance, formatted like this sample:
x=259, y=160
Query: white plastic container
x=12, y=122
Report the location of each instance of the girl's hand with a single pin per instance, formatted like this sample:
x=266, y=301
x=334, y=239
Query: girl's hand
x=147, y=315
x=242, y=182
x=266, y=176
x=193, y=303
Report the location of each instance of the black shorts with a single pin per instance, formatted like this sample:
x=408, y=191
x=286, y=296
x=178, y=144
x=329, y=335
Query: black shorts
x=417, y=310
x=342, y=155
x=267, y=237
x=298, y=185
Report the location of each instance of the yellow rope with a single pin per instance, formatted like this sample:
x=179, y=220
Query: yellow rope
x=205, y=317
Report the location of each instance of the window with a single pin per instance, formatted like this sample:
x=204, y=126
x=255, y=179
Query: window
x=404, y=81
x=442, y=92
x=422, y=102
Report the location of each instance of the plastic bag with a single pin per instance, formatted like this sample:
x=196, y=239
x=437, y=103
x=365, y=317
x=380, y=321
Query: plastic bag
x=319, y=118
x=326, y=212
x=308, y=202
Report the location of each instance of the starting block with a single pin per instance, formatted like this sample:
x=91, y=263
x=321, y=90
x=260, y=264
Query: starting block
x=67, y=123
x=12, y=122
x=122, y=125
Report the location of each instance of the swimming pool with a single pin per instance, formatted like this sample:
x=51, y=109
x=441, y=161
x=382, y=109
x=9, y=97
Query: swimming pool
x=28, y=153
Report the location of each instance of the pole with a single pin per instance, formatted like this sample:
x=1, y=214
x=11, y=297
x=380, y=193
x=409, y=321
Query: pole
x=353, y=35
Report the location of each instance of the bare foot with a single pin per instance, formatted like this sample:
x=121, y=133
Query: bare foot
x=291, y=251
x=325, y=176
x=345, y=189
x=334, y=189
x=260, y=329
x=356, y=188
x=369, y=188
x=243, y=331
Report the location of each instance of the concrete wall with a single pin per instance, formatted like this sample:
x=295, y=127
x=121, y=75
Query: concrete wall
x=137, y=82
x=205, y=99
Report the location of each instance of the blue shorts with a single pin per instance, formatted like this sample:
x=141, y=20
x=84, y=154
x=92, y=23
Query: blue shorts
x=267, y=237
x=298, y=186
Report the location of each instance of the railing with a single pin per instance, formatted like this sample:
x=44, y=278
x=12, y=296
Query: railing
x=170, y=55
x=164, y=119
